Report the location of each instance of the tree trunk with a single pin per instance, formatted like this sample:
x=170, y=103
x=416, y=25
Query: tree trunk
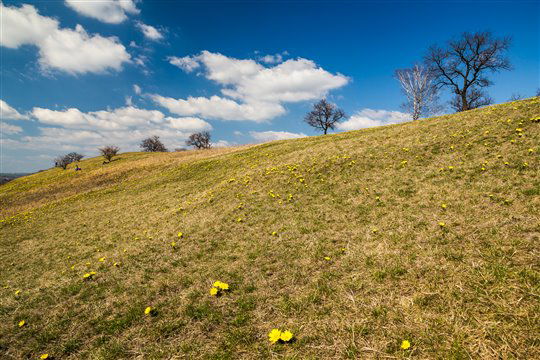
x=464, y=103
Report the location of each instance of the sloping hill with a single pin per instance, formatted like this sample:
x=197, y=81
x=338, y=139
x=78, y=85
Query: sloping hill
x=426, y=231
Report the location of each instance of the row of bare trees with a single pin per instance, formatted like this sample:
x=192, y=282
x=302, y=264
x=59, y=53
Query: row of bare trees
x=200, y=140
x=463, y=66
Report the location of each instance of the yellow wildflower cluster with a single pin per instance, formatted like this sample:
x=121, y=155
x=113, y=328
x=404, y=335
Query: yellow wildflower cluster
x=218, y=288
x=89, y=275
x=150, y=311
x=276, y=335
x=405, y=344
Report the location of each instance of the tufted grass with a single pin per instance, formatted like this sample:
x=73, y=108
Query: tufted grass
x=468, y=289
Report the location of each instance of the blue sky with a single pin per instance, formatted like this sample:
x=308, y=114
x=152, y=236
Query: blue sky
x=77, y=75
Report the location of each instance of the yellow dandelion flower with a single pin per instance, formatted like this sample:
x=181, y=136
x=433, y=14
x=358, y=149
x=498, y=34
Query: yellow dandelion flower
x=274, y=233
x=327, y=258
x=443, y=206
x=101, y=259
x=405, y=344
x=224, y=286
x=44, y=356
x=148, y=310
x=442, y=224
x=274, y=335
x=17, y=292
x=214, y=291
x=374, y=230
x=116, y=264
x=180, y=234
x=531, y=151
x=286, y=336
x=173, y=244
x=22, y=323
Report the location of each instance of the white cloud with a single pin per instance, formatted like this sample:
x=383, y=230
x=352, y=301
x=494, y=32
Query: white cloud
x=70, y=50
x=186, y=63
x=9, y=113
x=264, y=136
x=222, y=143
x=272, y=59
x=9, y=129
x=258, y=91
x=137, y=89
x=149, y=31
x=188, y=124
x=108, y=11
x=121, y=118
x=217, y=107
x=75, y=130
x=370, y=118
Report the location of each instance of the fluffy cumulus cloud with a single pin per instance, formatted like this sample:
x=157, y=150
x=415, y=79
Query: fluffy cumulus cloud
x=108, y=11
x=370, y=118
x=9, y=113
x=149, y=31
x=74, y=130
x=250, y=90
x=186, y=63
x=217, y=107
x=70, y=50
x=271, y=59
x=9, y=129
x=263, y=136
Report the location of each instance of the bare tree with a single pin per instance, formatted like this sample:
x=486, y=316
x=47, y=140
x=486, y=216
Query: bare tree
x=464, y=63
x=62, y=161
x=417, y=83
x=538, y=92
x=324, y=116
x=74, y=157
x=108, y=152
x=200, y=140
x=475, y=98
x=153, y=144
x=516, y=97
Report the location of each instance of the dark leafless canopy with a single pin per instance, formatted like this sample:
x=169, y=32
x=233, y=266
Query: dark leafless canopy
x=516, y=97
x=200, y=140
x=538, y=92
x=62, y=161
x=418, y=85
x=464, y=64
x=153, y=144
x=475, y=98
x=324, y=116
x=74, y=157
x=108, y=152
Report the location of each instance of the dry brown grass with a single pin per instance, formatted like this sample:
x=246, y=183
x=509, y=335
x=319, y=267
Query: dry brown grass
x=469, y=289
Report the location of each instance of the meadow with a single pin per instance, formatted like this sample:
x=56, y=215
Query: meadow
x=417, y=240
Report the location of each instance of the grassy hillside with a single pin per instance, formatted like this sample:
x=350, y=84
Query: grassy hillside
x=426, y=231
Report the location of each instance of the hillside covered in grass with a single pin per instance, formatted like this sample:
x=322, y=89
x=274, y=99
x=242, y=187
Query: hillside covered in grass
x=427, y=231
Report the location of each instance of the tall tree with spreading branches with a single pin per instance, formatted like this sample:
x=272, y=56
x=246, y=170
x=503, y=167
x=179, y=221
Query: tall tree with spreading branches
x=463, y=65
x=109, y=151
x=418, y=85
x=153, y=144
x=200, y=140
x=324, y=116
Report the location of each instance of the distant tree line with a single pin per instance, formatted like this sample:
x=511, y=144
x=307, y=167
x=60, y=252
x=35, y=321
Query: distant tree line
x=462, y=65
x=199, y=140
